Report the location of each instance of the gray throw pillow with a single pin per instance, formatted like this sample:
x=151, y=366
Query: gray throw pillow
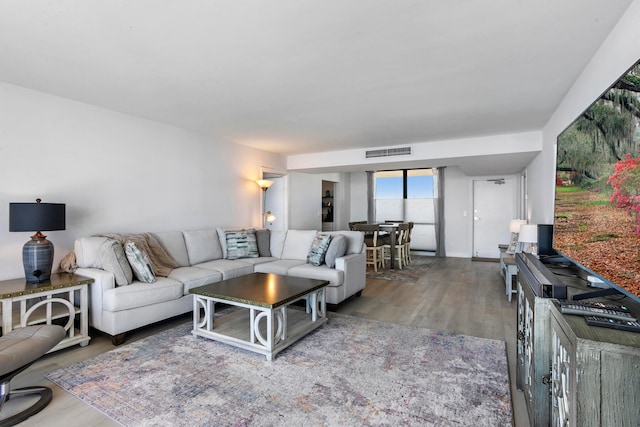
x=318, y=249
x=114, y=260
x=263, y=236
x=139, y=261
x=337, y=249
x=241, y=244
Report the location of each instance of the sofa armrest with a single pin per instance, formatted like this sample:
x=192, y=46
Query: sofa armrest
x=354, y=267
x=103, y=280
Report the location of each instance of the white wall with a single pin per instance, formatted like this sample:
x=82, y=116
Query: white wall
x=619, y=52
x=305, y=201
x=116, y=173
x=358, y=203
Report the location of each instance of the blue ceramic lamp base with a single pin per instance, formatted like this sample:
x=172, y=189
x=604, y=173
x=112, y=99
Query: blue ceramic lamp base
x=37, y=258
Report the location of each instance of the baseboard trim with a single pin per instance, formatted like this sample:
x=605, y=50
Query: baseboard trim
x=481, y=259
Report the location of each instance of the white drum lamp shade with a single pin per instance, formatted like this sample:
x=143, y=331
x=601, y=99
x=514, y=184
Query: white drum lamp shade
x=514, y=225
x=528, y=237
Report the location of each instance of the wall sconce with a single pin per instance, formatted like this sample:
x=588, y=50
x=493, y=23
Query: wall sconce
x=37, y=254
x=270, y=217
x=266, y=216
x=264, y=184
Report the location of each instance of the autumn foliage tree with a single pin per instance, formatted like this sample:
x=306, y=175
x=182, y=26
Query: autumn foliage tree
x=625, y=182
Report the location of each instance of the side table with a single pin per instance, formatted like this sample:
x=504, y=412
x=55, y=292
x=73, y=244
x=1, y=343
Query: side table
x=64, y=295
x=509, y=270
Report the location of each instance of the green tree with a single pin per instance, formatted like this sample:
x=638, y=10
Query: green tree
x=605, y=132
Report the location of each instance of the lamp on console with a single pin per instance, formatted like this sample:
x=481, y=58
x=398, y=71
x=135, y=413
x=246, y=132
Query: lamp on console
x=528, y=237
x=514, y=228
x=267, y=216
x=37, y=254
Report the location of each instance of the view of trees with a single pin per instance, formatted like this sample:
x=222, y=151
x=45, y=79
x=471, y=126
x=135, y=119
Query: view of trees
x=597, y=214
x=604, y=134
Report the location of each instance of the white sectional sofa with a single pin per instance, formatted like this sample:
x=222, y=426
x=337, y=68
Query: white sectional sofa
x=201, y=257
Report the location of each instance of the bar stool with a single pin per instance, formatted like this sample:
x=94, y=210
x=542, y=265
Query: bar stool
x=374, y=246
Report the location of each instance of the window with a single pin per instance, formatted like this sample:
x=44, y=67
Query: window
x=419, y=184
x=408, y=195
x=389, y=185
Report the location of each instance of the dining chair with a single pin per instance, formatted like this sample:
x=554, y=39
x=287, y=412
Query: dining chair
x=401, y=236
x=353, y=224
x=374, y=245
x=407, y=244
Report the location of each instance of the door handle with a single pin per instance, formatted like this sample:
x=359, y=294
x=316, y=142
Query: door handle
x=476, y=218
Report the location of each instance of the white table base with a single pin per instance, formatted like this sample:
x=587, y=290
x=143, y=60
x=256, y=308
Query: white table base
x=261, y=330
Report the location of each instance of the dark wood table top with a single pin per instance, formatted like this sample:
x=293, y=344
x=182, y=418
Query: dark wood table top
x=261, y=289
x=18, y=287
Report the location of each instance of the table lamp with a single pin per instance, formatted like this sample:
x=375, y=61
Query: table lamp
x=514, y=228
x=528, y=237
x=37, y=254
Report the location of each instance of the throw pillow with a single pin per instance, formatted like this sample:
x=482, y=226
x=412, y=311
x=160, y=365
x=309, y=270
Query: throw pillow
x=241, y=244
x=263, y=236
x=114, y=260
x=337, y=249
x=318, y=249
x=139, y=261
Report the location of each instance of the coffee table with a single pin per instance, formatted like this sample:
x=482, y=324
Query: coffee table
x=269, y=324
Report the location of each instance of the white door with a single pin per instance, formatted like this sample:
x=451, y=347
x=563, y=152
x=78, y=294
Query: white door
x=495, y=203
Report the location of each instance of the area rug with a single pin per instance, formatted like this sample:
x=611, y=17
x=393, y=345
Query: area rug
x=418, y=267
x=349, y=372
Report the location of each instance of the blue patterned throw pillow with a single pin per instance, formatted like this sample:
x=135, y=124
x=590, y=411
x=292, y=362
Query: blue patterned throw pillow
x=318, y=249
x=139, y=261
x=242, y=244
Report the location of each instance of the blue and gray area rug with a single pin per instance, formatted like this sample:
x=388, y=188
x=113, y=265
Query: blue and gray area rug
x=350, y=372
x=417, y=268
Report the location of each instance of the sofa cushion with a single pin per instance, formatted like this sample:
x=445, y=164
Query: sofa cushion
x=114, y=260
x=87, y=251
x=309, y=271
x=263, y=238
x=355, y=240
x=276, y=242
x=139, y=294
x=280, y=266
x=192, y=277
x=140, y=263
x=173, y=242
x=259, y=260
x=202, y=246
x=229, y=268
x=337, y=248
x=297, y=244
x=241, y=244
x=318, y=249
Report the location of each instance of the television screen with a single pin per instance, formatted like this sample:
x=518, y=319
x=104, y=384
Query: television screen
x=597, y=202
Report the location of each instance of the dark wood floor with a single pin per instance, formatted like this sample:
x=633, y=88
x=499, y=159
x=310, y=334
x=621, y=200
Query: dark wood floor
x=456, y=295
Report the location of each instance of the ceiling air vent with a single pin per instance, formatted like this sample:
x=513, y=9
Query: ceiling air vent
x=388, y=152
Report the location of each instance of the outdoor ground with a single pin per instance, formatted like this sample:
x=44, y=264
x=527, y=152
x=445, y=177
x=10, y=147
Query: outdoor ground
x=598, y=235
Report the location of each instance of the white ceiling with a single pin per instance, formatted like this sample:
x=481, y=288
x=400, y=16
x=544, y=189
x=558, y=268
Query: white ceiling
x=303, y=76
